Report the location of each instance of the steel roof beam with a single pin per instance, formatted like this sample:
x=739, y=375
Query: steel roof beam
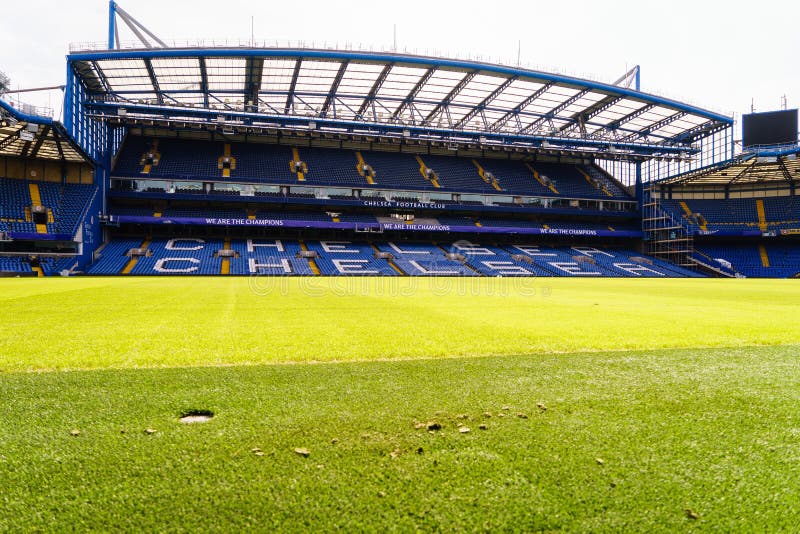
x=254, y=69
x=382, y=101
x=148, y=64
x=414, y=92
x=451, y=95
x=341, y=103
x=744, y=172
x=108, y=111
x=101, y=76
x=485, y=102
x=689, y=135
x=268, y=106
x=217, y=99
x=173, y=99
x=519, y=107
x=787, y=174
x=23, y=153
x=555, y=111
x=334, y=87
x=204, y=81
x=135, y=26
x=373, y=91
x=60, y=149
x=622, y=120
x=292, y=86
x=34, y=150
x=591, y=112
x=9, y=139
x=655, y=126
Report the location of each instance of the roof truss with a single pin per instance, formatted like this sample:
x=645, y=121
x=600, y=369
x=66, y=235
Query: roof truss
x=409, y=100
x=369, y=99
x=451, y=95
x=378, y=90
x=519, y=107
x=532, y=127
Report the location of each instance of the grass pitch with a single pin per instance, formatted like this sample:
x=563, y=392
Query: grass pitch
x=151, y=322
x=659, y=437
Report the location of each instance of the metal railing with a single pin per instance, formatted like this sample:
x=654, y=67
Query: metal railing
x=781, y=147
x=28, y=109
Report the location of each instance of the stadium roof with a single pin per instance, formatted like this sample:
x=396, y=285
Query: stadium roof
x=750, y=168
x=408, y=95
x=32, y=136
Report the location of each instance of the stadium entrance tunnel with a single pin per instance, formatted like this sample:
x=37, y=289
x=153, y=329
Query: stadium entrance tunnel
x=195, y=416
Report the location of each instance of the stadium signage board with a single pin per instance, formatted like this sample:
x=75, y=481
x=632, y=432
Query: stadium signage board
x=281, y=223
x=396, y=204
x=731, y=233
x=522, y=208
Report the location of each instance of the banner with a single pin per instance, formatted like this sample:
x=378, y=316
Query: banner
x=730, y=233
x=33, y=236
x=381, y=203
x=374, y=227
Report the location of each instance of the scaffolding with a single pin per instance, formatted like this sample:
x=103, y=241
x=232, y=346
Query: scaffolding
x=666, y=237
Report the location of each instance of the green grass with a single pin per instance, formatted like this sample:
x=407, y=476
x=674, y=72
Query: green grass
x=715, y=432
x=677, y=428
x=152, y=322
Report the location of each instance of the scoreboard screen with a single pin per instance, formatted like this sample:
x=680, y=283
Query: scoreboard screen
x=773, y=128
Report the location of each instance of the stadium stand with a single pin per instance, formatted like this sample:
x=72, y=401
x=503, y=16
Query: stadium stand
x=14, y=264
x=349, y=258
x=757, y=260
x=183, y=256
x=363, y=183
x=64, y=204
x=712, y=215
x=55, y=266
x=15, y=197
x=200, y=256
x=268, y=257
x=113, y=257
x=264, y=163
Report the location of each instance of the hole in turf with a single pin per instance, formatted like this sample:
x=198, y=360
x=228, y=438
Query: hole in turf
x=195, y=416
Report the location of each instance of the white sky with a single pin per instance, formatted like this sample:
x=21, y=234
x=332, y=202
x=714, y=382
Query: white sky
x=715, y=54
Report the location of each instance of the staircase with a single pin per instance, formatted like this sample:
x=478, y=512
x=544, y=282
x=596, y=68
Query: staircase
x=690, y=216
x=666, y=237
x=226, y=163
x=365, y=170
x=36, y=201
x=225, y=266
x=431, y=177
x=762, y=251
x=597, y=184
x=548, y=185
x=485, y=177
x=762, y=217
x=298, y=166
x=608, y=182
x=311, y=262
x=133, y=260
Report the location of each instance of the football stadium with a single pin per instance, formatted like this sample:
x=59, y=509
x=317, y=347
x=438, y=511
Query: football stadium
x=313, y=288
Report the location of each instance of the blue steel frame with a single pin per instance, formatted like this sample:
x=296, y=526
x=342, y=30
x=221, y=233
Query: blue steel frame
x=679, y=143
x=112, y=23
x=24, y=117
x=110, y=110
x=639, y=157
x=59, y=132
x=97, y=139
